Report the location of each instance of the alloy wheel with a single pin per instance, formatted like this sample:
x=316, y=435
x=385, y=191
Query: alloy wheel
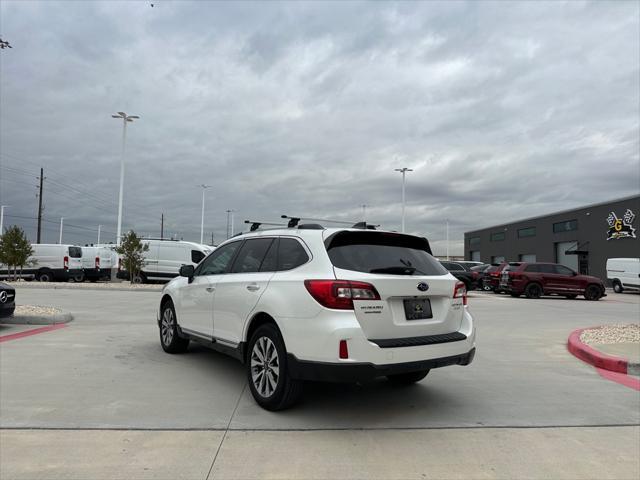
x=166, y=326
x=265, y=367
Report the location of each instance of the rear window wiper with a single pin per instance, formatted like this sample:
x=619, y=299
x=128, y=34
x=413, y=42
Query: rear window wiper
x=400, y=270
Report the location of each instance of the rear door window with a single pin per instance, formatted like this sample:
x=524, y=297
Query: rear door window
x=383, y=253
x=251, y=255
x=75, y=252
x=291, y=254
x=562, y=270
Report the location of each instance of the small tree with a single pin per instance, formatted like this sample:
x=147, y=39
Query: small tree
x=15, y=249
x=131, y=251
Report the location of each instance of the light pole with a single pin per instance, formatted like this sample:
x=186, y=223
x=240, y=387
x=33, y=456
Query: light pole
x=99, y=227
x=61, y=223
x=230, y=224
x=204, y=187
x=447, y=238
x=364, y=212
x=125, y=119
x=1, y=218
x=403, y=170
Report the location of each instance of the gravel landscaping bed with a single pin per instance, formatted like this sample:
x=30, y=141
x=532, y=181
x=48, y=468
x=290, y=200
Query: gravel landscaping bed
x=89, y=285
x=36, y=310
x=610, y=334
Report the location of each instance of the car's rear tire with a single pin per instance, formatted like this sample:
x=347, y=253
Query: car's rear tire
x=592, y=292
x=139, y=278
x=44, y=276
x=407, y=378
x=571, y=297
x=617, y=286
x=533, y=290
x=169, y=339
x=267, y=372
x=79, y=278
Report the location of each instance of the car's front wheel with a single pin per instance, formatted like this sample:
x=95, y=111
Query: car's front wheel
x=407, y=378
x=169, y=339
x=271, y=385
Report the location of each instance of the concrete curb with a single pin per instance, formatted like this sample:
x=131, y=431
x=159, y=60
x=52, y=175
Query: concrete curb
x=37, y=319
x=598, y=359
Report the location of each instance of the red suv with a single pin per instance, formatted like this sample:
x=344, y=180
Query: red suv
x=537, y=279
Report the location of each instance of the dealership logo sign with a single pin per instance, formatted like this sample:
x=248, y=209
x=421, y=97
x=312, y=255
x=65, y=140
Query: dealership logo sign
x=621, y=227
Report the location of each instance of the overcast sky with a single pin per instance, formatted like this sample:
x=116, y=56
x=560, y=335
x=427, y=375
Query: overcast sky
x=504, y=110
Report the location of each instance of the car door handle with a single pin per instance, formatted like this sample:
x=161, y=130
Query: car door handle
x=253, y=287
x=210, y=289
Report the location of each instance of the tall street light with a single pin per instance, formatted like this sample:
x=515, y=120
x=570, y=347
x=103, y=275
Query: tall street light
x=230, y=224
x=403, y=170
x=204, y=187
x=125, y=119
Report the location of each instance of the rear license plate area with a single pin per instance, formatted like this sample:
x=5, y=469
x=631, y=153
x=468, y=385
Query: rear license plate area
x=417, y=309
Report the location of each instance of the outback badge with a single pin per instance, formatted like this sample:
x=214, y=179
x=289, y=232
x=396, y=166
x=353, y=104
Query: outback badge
x=423, y=287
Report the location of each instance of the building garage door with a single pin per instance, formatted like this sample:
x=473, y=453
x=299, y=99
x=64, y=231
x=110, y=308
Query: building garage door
x=528, y=257
x=475, y=255
x=570, y=261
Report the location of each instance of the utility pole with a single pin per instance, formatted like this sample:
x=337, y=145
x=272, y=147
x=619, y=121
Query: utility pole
x=98, y=242
x=403, y=170
x=212, y=239
x=162, y=226
x=229, y=230
x=61, y=223
x=40, y=206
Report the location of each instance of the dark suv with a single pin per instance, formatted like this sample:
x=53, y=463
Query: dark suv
x=462, y=271
x=537, y=279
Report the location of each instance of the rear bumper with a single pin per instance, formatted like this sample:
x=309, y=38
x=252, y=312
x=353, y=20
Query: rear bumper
x=358, y=372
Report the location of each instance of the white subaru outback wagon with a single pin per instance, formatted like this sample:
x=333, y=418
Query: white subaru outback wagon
x=322, y=304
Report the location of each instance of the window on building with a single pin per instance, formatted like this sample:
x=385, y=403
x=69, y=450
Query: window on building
x=497, y=236
x=527, y=232
x=527, y=257
x=473, y=241
x=567, y=226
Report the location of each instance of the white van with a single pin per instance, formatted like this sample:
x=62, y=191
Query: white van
x=52, y=262
x=97, y=263
x=624, y=274
x=165, y=257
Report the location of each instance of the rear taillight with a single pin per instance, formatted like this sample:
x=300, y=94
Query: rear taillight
x=66, y=263
x=340, y=294
x=494, y=274
x=460, y=291
x=98, y=262
x=343, y=349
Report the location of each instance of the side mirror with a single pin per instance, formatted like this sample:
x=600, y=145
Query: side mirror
x=187, y=271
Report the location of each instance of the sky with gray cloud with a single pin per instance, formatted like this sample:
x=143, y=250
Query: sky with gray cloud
x=504, y=110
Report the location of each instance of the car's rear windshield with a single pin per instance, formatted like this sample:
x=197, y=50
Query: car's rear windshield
x=383, y=253
x=75, y=252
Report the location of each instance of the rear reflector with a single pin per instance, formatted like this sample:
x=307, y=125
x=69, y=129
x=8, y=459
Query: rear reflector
x=66, y=263
x=98, y=262
x=344, y=350
x=340, y=294
x=460, y=291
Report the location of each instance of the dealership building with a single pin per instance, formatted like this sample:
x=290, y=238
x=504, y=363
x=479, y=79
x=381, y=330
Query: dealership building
x=582, y=238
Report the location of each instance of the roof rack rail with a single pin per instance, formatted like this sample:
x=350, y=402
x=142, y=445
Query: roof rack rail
x=294, y=221
x=256, y=225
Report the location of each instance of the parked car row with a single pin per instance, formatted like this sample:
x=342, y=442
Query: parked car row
x=61, y=263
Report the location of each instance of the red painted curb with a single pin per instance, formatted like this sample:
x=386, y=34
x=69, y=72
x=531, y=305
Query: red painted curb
x=33, y=331
x=592, y=356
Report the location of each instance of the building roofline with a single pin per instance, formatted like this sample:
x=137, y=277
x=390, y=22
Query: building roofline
x=537, y=217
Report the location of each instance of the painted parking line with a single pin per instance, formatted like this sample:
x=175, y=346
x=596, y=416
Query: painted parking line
x=33, y=331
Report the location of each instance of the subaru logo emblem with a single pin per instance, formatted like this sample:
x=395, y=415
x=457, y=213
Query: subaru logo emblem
x=3, y=296
x=423, y=287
